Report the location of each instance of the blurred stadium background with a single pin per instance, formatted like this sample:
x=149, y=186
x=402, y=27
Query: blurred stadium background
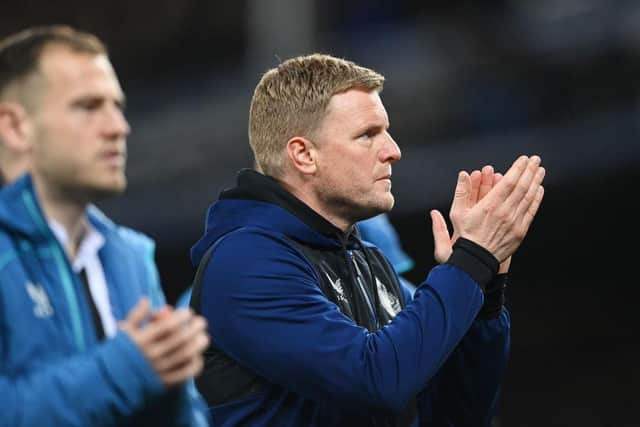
x=468, y=83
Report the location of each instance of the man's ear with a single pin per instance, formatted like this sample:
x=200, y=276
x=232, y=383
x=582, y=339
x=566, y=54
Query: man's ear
x=302, y=154
x=14, y=126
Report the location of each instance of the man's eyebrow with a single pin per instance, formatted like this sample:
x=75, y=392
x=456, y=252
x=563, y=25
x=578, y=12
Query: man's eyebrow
x=120, y=101
x=381, y=126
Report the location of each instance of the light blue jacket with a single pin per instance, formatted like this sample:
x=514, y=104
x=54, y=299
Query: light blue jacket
x=53, y=370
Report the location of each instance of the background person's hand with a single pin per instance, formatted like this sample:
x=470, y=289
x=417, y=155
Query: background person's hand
x=171, y=340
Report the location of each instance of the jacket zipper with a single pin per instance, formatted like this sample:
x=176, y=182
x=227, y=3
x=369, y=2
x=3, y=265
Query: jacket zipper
x=63, y=272
x=359, y=282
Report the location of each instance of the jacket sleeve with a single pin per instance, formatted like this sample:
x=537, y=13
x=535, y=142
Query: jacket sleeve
x=99, y=388
x=182, y=406
x=266, y=310
x=465, y=391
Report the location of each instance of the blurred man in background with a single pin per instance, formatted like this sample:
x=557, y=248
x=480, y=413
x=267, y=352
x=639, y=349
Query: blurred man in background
x=86, y=337
x=310, y=324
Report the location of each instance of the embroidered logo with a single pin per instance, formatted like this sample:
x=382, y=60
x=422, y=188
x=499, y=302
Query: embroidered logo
x=41, y=305
x=336, y=283
x=337, y=286
x=388, y=301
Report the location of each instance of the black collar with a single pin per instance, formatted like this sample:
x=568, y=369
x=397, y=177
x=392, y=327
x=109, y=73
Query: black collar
x=253, y=185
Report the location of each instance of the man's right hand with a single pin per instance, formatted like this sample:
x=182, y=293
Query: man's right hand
x=171, y=340
x=500, y=220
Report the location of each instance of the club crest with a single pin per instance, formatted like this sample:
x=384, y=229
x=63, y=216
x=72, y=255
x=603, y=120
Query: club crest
x=41, y=305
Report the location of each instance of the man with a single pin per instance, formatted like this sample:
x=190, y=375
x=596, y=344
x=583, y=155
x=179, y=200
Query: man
x=310, y=326
x=86, y=339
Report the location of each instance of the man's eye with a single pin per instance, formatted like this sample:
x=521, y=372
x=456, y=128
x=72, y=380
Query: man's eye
x=89, y=105
x=369, y=134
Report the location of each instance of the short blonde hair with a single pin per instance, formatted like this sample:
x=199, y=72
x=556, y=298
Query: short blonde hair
x=291, y=100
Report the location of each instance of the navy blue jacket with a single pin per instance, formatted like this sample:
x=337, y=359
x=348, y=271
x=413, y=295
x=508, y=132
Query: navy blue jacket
x=286, y=351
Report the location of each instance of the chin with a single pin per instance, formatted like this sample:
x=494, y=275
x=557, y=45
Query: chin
x=109, y=189
x=387, y=204
x=383, y=206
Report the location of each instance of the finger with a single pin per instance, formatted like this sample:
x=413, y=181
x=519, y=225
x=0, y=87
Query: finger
x=138, y=314
x=441, y=238
x=530, y=196
x=169, y=324
x=487, y=181
x=507, y=184
x=524, y=183
x=476, y=181
x=533, y=208
x=179, y=339
x=496, y=178
x=463, y=186
x=461, y=195
x=438, y=226
x=183, y=373
x=183, y=354
x=162, y=312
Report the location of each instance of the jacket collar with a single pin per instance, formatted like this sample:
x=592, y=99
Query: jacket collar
x=20, y=211
x=252, y=185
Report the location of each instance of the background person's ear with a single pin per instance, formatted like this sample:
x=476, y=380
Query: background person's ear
x=14, y=127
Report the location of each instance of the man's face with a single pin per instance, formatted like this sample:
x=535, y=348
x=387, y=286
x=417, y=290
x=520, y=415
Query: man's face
x=78, y=127
x=355, y=153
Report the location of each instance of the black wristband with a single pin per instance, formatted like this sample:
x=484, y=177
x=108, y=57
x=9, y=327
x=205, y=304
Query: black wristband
x=494, y=297
x=478, y=262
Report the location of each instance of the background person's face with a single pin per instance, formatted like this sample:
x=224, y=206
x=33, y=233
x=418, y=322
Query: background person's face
x=355, y=153
x=79, y=130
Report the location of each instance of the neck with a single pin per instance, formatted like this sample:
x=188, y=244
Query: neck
x=65, y=209
x=309, y=197
x=13, y=167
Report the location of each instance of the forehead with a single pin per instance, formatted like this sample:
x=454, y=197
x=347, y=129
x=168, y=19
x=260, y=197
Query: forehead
x=358, y=107
x=70, y=73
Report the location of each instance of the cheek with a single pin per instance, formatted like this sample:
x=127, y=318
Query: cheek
x=348, y=172
x=350, y=181
x=58, y=147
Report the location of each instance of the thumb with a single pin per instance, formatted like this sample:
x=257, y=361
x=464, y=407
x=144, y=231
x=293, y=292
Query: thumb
x=441, y=238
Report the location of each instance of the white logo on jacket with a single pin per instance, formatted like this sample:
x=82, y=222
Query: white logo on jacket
x=41, y=305
x=388, y=301
x=337, y=286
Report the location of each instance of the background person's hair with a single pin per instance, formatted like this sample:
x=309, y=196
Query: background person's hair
x=20, y=52
x=291, y=100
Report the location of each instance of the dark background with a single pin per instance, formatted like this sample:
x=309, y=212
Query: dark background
x=468, y=83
